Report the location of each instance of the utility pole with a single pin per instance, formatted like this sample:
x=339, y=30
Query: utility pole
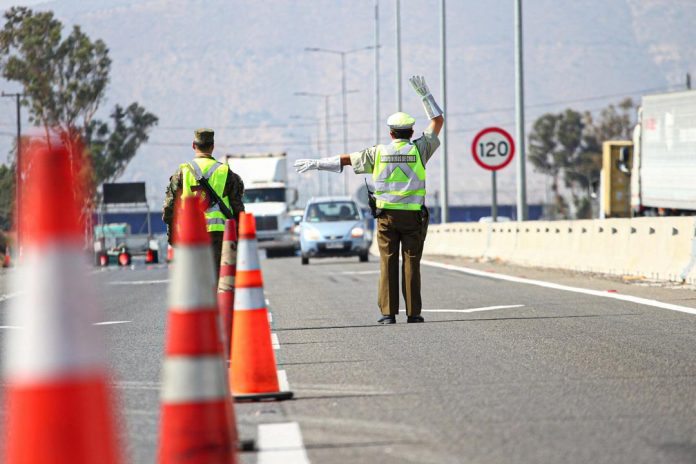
x=398, y=55
x=519, y=107
x=444, y=203
x=18, y=160
x=377, y=118
x=344, y=93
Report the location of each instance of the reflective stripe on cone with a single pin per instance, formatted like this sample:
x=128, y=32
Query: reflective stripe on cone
x=198, y=422
x=253, y=372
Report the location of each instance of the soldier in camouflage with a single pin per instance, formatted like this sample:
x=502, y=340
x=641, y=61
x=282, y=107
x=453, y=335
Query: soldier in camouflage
x=227, y=184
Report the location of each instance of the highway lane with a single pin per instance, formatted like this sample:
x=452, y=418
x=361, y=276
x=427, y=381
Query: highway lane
x=556, y=377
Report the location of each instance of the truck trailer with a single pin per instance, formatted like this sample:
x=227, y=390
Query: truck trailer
x=653, y=175
x=663, y=167
x=268, y=197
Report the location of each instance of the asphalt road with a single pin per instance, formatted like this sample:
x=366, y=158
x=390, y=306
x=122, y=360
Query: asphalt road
x=557, y=376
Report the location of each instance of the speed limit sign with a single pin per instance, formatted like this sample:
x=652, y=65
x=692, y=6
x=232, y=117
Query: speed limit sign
x=493, y=148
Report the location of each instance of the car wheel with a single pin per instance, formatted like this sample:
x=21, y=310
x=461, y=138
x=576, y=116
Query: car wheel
x=305, y=260
x=365, y=257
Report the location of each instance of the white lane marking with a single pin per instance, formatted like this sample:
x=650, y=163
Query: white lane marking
x=7, y=296
x=139, y=282
x=567, y=288
x=281, y=444
x=360, y=272
x=10, y=327
x=275, y=342
x=283, y=383
x=472, y=310
x=270, y=317
x=112, y=322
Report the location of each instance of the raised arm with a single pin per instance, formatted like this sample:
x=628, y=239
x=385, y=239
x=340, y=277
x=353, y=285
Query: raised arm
x=432, y=110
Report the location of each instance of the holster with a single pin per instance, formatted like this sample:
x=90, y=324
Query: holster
x=372, y=202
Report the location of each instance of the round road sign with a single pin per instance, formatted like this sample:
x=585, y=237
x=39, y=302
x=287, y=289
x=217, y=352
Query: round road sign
x=493, y=148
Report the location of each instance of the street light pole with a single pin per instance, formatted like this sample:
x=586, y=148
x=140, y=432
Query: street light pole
x=345, y=118
x=377, y=121
x=18, y=160
x=343, y=54
x=519, y=109
x=398, y=55
x=444, y=197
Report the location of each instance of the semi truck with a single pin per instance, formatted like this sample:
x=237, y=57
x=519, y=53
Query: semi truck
x=653, y=175
x=268, y=197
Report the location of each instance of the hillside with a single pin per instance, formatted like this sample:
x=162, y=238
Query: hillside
x=233, y=66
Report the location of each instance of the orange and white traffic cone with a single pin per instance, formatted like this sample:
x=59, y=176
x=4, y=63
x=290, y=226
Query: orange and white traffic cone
x=253, y=374
x=197, y=423
x=170, y=253
x=225, y=290
x=149, y=256
x=58, y=400
x=7, y=260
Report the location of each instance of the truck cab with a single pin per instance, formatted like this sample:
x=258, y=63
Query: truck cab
x=267, y=197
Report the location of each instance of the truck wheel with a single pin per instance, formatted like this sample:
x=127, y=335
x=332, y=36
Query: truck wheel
x=305, y=260
x=365, y=257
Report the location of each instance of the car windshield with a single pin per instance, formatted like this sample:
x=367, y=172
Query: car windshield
x=262, y=195
x=332, y=211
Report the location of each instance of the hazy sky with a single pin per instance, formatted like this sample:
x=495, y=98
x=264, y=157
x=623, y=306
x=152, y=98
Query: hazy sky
x=232, y=65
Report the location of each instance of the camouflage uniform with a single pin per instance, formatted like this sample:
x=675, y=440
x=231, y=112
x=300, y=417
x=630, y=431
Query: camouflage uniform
x=234, y=190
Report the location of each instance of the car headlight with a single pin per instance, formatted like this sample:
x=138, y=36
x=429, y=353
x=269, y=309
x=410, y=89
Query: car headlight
x=311, y=234
x=357, y=232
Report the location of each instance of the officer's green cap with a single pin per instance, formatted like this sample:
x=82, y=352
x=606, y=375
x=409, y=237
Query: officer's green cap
x=400, y=121
x=204, y=136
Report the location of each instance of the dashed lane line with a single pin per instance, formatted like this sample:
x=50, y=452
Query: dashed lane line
x=566, y=288
x=140, y=282
x=8, y=296
x=472, y=310
x=112, y=322
x=281, y=444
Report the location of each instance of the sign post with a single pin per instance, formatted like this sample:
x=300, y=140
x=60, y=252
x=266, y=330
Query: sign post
x=493, y=149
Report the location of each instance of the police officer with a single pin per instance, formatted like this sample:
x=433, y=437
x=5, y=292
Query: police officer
x=226, y=184
x=398, y=172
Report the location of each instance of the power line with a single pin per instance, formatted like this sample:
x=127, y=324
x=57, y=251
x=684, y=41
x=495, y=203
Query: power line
x=262, y=125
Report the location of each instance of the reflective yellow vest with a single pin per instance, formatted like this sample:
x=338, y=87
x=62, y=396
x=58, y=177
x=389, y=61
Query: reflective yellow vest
x=399, y=176
x=216, y=174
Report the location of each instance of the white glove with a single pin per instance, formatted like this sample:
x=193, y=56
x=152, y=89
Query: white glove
x=323, y=164
x=432, y=110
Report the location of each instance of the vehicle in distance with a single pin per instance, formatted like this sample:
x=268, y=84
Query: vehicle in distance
x=497, y=219
x=268, y=197
x=331, y=227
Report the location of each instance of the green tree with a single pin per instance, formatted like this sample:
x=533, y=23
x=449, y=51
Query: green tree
x=64, y=81
x=547, y=157
x=7, y=187
x=568, y=146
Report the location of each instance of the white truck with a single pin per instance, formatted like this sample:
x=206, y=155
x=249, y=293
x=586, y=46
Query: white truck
x=268, y=197
x=663, y=168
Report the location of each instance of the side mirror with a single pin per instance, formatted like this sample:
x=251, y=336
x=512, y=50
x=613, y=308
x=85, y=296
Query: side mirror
x=594, y=188
x=624, y=160
x=293, y=194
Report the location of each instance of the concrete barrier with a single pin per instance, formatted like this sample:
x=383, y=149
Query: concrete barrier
x=655, y=248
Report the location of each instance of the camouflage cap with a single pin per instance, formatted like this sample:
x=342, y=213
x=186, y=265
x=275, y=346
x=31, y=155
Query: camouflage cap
x=204, y=136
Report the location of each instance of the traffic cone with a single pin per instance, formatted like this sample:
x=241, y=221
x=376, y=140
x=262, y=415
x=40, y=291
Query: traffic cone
x=170, y=254
x=197, y=422
x=124, y=258
x=149, y=256
x=7, y=260
x=57, y=388
x=253, y=374
x=225, y=290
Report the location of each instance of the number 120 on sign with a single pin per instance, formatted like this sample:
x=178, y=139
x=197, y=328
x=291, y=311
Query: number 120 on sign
x=493, y=148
